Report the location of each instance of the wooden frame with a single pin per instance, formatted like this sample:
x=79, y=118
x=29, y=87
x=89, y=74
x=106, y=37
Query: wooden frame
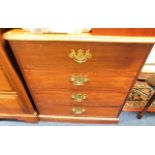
x=29, y=114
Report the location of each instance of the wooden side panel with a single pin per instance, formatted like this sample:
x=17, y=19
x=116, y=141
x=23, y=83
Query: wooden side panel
x=4, y=84
x=14, y=101
x=10, y=104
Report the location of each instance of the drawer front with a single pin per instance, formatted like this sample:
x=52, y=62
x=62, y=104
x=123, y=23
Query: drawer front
x=9, y=103
x=79, y=111
x=83, y=98
x=47, y=80
x=99, y=56
x=4, y=84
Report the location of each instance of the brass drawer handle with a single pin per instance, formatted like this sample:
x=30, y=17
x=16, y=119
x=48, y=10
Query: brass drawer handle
x=79, y=80
x=78, y=110
x=79, y=97
x=80, y=55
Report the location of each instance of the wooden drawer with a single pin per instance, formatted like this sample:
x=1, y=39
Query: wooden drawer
x=65, y=110
x=53, y=79
x=4, y=84
x=10, y=104
x=55, y=55
x=92, y=98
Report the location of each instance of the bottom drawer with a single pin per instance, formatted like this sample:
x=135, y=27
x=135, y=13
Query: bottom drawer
x=64, y=110
x=9, y=103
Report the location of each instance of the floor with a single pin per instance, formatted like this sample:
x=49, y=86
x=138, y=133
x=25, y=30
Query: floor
x=126, y=119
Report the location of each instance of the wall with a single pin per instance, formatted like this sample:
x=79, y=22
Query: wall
x=150, y=62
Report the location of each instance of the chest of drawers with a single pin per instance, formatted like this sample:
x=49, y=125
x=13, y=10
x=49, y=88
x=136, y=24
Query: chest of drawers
x=78, y=78
x=14, y=101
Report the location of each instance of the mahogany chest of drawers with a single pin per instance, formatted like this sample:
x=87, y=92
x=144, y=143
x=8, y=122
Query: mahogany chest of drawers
x=79, y=78
x=14, y=101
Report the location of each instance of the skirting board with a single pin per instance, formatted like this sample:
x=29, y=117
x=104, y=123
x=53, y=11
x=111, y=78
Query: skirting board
x=30, y=118
x=96, y=120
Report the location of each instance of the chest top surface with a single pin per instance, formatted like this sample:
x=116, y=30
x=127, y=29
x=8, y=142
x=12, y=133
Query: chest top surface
x=19, y=34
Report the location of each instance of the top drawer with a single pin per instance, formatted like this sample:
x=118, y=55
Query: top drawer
x=55, y=55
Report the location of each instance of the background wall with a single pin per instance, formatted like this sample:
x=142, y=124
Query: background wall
x=150, y=62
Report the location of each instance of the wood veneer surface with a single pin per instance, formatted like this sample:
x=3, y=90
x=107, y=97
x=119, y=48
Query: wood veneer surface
x=46, y=66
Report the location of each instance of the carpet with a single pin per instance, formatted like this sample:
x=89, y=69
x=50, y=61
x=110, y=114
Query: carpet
x=126, y=119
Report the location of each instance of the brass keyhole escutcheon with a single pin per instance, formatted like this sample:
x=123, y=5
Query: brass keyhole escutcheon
x=79, y=97
x=80, y=55
x=78, y=110
x=79, y=80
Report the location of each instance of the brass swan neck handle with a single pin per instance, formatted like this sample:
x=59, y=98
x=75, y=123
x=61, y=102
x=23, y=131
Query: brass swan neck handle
x=80, y=55
x=79, y=97
x=79, y=80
